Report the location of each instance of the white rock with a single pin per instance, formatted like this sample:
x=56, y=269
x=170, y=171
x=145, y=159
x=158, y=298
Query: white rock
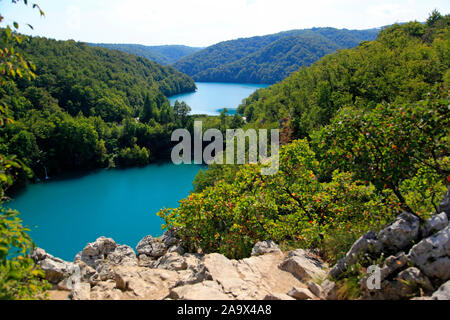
x=443, y=293
x=432, y=255
x=434, y=224
x=81, y=292
x=401, y=233
x=301, y=293
x=277, y=296
x=264, y=247
x=303, y=265
x=171, y=261
x=206, y=290
x=152, y=247
x=315, y=289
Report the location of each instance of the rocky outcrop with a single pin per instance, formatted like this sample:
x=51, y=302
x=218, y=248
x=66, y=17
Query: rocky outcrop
x=444, y=205
x=443, y=293
x=301, y=294
x=161, y=270
x=417, y=263
x=365, y=244
x=411, y=262
x=432, y=255
x=400, y=234
x=157, y=247
x=206, y=290
x=435, y=223
x=64, y=275
x=303, y=265
x=151, y=247
x=264, y=247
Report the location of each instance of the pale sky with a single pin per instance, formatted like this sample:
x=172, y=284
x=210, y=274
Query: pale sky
x=205, y=22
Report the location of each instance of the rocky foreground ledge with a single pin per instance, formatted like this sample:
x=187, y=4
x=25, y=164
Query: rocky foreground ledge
x=415, y=265
x=161, y=270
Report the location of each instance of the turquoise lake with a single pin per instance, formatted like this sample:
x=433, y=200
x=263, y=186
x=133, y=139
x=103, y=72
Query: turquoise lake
x=211, y=97
x=65, y=214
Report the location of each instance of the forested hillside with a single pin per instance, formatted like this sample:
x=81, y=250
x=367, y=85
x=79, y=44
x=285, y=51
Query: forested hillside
x=88, y=107
x=270, y=58
x=401, y=65
x=375, y=125
x=165, y=55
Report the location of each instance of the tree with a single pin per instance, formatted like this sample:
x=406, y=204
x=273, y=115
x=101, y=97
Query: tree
x=181, y=110
x=434, y=17
x=391, y=143
x=19, y=277
x=149, y=111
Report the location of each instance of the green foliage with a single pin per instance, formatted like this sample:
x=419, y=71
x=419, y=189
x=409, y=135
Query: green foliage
x=378, y=130
x=401, y=65
x=19, y=276
x=269, y=58
x=134, y=156
x=401, y=147
x=165, y=55
x=181, y=111
x=292, y=205
x=88, y=108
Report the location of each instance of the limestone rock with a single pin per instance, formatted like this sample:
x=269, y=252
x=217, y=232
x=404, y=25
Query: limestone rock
x=146, y=261
x=122, y=255
x=152, y=247
x=301, y=294
x=432, y=255
x=444, y=205
x=407, y=284
x=178, y=248
x=145, y=283
x=278, y=296
x=401, y=233
x=434, y=224
x=303, y=265
x=315, y=289
x=57, y=271
x=87, y=273
x=104, y=271
x=38, y=254
x=329, y=290
x=95, y=252
x=367, y=243
x=81, y=292
x=222, y=270
x=195, y=270
x=414, y=277
x=171, y=261
x=392, y=264
x=169, y=238
x=206, y=290
x=106, y=290
x=263, y=247
x=443, y=293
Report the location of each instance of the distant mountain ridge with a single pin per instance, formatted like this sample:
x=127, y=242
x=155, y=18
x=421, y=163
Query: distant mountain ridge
x=270, y=58
x=165, y=54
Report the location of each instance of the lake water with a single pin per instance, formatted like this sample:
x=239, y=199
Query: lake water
x=211, y=97
x=65, y=214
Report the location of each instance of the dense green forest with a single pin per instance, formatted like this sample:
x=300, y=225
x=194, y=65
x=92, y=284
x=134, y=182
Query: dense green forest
x=88, y=107
x=401, y=65
x=165, y=55
x=270, y=58
x=375, y=129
